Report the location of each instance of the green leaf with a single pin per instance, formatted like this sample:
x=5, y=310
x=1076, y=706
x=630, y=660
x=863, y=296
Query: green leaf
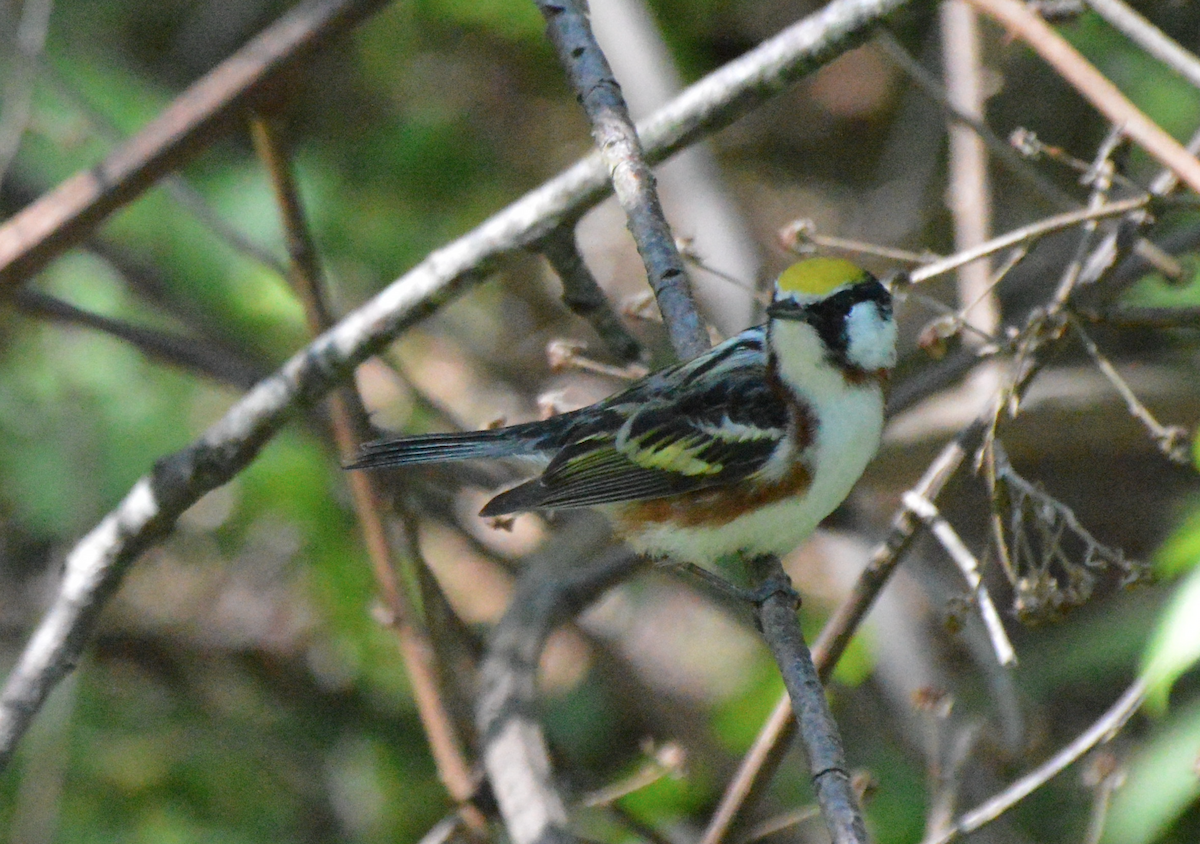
x=1161, y=782
x=1175, y=646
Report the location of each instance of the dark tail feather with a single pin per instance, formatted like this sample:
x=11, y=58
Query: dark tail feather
x=437, y=448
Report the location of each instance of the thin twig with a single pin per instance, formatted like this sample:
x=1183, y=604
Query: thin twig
x=570, y=32
x=665, y=761
x=1172, y=440
x=582, y=294
x=1093, y=85
x=349, y=418
x=798, y=234
x=779, y=823
x=1107, y=726
x=818, y=731
x=1030, y=232
x=95, y=567
x=957, y=550
x=1149, y=37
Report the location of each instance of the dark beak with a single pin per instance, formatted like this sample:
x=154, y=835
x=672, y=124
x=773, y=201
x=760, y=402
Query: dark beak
x=786, y=309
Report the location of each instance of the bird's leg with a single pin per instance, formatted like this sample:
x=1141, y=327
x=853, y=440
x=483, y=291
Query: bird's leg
x=755, y=596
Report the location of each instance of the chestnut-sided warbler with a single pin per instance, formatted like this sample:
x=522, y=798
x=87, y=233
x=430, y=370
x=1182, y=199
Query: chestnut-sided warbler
x=742, y=450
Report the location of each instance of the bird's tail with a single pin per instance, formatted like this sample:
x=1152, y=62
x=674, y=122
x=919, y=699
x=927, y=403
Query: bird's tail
x=436, y=448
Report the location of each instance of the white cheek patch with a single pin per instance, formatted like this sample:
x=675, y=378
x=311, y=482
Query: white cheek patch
x=872, y=339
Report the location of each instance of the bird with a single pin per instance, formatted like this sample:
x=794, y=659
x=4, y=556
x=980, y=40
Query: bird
x=742, y=450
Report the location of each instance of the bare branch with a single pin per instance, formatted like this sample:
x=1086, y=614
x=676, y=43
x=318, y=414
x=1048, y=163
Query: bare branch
x=349, y=418
x=582, y=294
x=1172, y=440
x=1031, y=232
x=514, y=747
x=957, y=550
x=1107, y=726
x=775, y=736
x=818, y=731
x=61, y=218
x=1093, y=85
x=188, y=197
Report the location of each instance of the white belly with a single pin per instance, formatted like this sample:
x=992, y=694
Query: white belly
x=846, y=440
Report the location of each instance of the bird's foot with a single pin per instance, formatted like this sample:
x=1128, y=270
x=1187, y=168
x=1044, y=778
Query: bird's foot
x=776, y=584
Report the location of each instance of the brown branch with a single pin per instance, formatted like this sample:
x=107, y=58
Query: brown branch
x=1093, y=85
x=570, y=32
x=62, y=218
x=349, y=417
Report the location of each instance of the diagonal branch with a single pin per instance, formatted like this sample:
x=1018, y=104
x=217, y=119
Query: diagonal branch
x=349, y=419
x=61, y=218
x=1093, y=85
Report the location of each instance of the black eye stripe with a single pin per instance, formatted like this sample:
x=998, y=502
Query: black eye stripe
x=836, y=306
x=828, y=316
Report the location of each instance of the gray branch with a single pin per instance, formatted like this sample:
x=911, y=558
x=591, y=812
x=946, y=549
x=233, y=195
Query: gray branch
x=570, y=32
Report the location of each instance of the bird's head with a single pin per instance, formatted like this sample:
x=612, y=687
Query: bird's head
x=844, y=306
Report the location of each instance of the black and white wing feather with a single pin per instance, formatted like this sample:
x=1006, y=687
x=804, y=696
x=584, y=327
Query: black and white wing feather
x=711, y=421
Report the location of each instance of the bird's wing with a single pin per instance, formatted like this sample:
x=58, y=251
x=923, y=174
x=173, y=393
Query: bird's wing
x=718, y=424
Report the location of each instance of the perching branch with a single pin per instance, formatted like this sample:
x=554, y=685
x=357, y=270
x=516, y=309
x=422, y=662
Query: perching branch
x=775, y=737
x=818, y=731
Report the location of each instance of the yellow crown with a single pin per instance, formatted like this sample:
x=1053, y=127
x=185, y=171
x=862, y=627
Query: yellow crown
x=818, y=276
